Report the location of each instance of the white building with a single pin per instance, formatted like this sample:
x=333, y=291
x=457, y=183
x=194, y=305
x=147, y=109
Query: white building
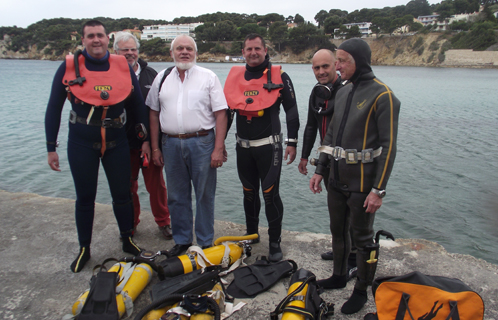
x=428, y=20
x=169, y=31
x=444, y=25
x=364, y=29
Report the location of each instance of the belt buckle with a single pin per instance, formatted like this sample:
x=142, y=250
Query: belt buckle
x=107, y=123
x=336, y=153
x=244, y=143
x=72, y=117
x=367, y=155
x=351, y=156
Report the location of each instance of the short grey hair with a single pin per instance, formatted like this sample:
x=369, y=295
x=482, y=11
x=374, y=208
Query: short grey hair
x=124, y=36
x=180, y=36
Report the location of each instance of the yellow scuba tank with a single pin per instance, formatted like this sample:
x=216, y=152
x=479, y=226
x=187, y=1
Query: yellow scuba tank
x=134, y=286
x=216, y=293
x=303, y=299
x=299, y=301
x=78, y=305
x=189, y=262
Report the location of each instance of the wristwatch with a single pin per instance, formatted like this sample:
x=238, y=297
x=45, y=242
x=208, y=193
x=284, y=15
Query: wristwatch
x=380, y=193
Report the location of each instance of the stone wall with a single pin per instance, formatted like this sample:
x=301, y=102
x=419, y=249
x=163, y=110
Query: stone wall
x=469, y=57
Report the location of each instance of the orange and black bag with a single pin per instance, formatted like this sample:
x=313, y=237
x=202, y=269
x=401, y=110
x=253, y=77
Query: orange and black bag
x=418, y=296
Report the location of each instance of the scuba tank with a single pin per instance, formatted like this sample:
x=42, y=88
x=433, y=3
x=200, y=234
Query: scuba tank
x=216, y=293
x=224, y=252
x=303, y=299
x=129, y=287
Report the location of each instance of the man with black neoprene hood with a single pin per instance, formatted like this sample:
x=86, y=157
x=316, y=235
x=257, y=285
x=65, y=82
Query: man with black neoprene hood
x=360, y=146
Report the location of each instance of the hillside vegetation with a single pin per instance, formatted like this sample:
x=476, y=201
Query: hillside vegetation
x=222, y=33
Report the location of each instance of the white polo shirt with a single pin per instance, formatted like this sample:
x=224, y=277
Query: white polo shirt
x=187, y=106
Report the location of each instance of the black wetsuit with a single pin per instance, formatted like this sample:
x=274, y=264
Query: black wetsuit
x=365, y=117
x=84, y=151
x=320, y=113
x=262, y=165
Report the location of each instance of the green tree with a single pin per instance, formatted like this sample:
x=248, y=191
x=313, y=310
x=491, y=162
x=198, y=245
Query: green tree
x=267, y=20
x=278, y=33
x=382, y=23
x=480, y=37
x=353, y=32
x=302, y=37
x=418, y=8
x=156, y=46
x=298, y=19
x=331, y=23
x=338, y=12
x=445, y=9
x=320, y=17
x=249, y=28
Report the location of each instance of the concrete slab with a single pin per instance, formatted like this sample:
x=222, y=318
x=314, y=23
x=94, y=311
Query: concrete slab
x=38, y=242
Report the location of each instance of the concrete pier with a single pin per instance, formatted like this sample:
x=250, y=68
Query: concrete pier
x=39, y=242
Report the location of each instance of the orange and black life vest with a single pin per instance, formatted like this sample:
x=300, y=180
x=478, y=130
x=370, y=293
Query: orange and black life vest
x=100, y=88
x=251, y=96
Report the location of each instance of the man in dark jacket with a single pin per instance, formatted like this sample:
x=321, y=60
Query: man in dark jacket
x=320, y=112
x=127, y=45
x=362, y=140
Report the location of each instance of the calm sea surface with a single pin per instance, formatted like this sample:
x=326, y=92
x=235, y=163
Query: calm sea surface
x=444, y=185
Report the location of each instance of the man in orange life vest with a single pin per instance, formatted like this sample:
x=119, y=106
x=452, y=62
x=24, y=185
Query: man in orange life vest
x=255, y=92
x=98, y=86
x=127, y=45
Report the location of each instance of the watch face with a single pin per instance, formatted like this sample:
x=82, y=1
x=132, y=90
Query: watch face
x=382, y=193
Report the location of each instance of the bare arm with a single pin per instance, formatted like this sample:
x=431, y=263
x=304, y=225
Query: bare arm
x=218, y=156
x=157, y=156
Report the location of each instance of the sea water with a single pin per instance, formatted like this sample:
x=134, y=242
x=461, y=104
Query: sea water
x=443, y=188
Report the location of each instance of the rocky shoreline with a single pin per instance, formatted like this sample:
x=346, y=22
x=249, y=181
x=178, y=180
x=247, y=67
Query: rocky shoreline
x=428, y=50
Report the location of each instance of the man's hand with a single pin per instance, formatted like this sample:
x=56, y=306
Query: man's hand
x=291, y=153
x=302, y=166
x=53, y=161
x=315, y=185
x=218, y=157
x=157, y=158
x=146, y=149
x=372, y=203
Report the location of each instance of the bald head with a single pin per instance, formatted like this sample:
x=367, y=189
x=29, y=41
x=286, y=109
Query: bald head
x=323, y=65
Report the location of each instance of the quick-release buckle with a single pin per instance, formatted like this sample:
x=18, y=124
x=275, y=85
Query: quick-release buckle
x=337, y=153
x=107, y=123
x=367, y=155
x=351, y=156
x=244, y=143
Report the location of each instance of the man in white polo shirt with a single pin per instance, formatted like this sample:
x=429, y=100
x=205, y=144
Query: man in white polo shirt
x=189, y=108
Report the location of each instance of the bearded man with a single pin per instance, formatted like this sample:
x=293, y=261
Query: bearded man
x=189, y=108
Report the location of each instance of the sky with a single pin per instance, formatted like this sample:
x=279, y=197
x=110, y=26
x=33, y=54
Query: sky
x=22, y=13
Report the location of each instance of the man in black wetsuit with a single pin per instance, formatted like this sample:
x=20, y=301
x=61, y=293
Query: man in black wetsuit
x=96, y=132
x=320, y=112
x=361, y=139
x=255, y=92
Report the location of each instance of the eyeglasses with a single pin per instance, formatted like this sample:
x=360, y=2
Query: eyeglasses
x=133, y=50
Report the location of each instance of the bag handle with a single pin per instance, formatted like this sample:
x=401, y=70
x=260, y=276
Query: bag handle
x=403, y=308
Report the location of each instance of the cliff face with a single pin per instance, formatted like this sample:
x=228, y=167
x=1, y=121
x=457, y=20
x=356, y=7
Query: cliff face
x=416, y=50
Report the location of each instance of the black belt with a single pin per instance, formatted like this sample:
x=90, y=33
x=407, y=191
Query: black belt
x=200, y=133
x=115, y=123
